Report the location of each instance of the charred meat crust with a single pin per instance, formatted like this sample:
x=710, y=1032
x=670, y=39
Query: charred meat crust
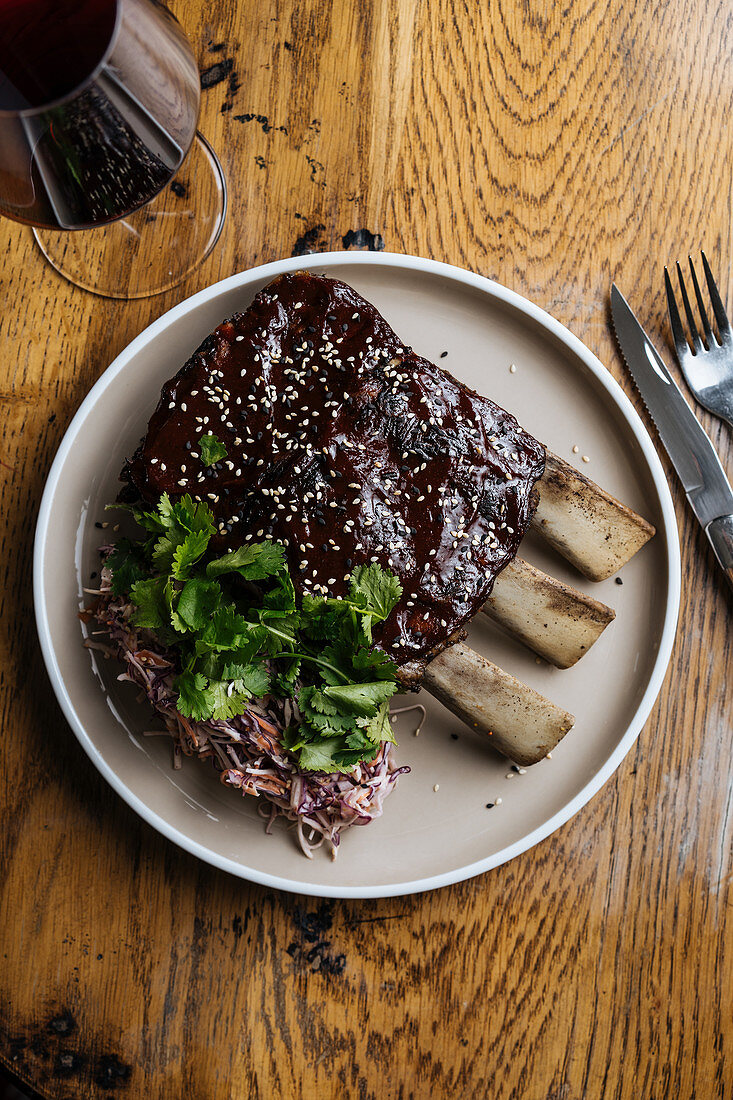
x=347, y=447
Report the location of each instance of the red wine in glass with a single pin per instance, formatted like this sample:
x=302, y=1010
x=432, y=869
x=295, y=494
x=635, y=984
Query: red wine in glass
x=99, y=101
x=48, y=49
x=98, y=107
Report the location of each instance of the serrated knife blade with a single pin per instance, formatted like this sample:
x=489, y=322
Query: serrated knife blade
x=685, y=441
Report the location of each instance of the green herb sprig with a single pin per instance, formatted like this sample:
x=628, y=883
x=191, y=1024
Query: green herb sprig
x=238, y=633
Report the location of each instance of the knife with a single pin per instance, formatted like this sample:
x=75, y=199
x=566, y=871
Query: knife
x=693, y=456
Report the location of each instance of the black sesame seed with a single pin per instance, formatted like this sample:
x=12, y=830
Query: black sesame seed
x=324, y=546
x=188, y=445
x=258, y=437
x=443, y=354
x=99, y=525
x=321, y=520
x=344, y=327
x=619, y=581
x=93, y=574
x=330, y=316
x=454, y=737
x=490, y=805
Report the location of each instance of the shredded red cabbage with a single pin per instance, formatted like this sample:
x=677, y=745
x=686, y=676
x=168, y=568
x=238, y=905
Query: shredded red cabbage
x=247, y=750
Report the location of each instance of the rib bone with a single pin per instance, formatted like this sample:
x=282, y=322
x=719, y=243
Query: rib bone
x=556, y=621
x=521, y=723
x=584, y=523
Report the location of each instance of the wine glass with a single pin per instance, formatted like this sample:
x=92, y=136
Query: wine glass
x=99, y=151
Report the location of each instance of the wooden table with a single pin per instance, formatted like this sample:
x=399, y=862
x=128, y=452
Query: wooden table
x=554, y=148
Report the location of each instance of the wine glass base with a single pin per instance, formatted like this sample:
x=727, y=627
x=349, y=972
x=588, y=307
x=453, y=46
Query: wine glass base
x=153, y=248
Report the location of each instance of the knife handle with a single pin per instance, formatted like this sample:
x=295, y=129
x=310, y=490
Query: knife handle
x=720, y=535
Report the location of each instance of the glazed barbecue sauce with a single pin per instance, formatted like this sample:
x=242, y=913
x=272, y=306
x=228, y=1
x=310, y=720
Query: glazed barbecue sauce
x=348, y=448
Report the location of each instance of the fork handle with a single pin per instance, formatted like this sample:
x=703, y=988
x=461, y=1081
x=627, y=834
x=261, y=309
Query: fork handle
x=720, y=536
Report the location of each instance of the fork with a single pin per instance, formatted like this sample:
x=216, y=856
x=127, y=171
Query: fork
x=708, y=364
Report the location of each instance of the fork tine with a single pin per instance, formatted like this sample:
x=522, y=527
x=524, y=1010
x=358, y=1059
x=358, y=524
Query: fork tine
x=697, y=345
x=709, y=338
x=678, y=332
x=718, y=307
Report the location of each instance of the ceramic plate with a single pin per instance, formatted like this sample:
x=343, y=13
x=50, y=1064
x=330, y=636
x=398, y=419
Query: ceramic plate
x=426, y=838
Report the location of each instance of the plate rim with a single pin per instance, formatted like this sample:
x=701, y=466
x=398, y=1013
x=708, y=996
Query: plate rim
x=670, y=532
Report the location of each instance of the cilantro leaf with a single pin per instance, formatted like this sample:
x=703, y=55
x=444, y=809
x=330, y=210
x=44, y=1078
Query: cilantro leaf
x=255, y=679
x=335, y=667
x=255, y=561
x=378, y=728
x=227, y=629
x=376, y=663
x=211, y=449
x=247, y=646
x=154, y=522
x=360, y=699
x=326, y=725
x=224, y=702
x=282, y=596
x=342, y=761
x=311, y=608
x=128, y=564
x=197, y=602
x=193, y=516
x=165, y=548
x=281, y=634
x=192, y=699
x=188, y=553
x=319, y=757
x=375, y=590
x=358, y=740
x=312, y=698
x=148, y=597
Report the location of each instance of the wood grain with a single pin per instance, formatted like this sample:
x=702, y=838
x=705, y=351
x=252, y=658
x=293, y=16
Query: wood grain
x=553, y=147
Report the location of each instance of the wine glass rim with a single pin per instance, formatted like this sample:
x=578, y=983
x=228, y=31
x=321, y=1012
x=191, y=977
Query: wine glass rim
x=28, y=112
